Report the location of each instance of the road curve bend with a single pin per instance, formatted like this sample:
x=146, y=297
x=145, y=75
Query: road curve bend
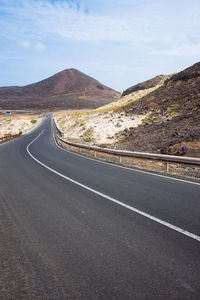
x=75, y=228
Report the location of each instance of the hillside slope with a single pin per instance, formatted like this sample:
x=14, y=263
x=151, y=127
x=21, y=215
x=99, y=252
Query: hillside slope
x=161, y=115
x=151, y=83
x=173, y=122
x=69, y=89
x=101, y=126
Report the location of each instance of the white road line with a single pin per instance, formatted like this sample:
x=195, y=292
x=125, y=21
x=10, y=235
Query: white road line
x=126, y=168
x=178, y=229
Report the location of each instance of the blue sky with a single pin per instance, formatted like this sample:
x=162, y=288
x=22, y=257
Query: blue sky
x=119, y=42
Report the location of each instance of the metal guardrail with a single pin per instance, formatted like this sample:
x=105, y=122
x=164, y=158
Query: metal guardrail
x=158, y=157
x=57, y=130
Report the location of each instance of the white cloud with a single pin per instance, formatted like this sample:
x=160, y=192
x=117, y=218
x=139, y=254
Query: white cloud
x=41, y=20
x=25, y=44
x=40, y=46
x=63, y=21
x=121, y=40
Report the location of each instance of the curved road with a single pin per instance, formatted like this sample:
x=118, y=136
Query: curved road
x=76, y=228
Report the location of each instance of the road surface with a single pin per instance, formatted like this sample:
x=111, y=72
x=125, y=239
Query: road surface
x=76, y=228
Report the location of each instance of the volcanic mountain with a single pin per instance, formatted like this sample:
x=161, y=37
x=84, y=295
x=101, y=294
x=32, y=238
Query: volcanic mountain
x=69, y=89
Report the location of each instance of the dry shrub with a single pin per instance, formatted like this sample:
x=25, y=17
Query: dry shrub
x=152, y=105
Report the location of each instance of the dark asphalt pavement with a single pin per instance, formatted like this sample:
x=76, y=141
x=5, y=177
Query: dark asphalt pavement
x=61, y=241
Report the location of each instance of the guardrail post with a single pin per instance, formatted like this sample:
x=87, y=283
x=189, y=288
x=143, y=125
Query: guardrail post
x=164, y=160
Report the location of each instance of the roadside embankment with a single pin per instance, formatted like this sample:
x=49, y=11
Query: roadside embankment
x=165, y=164
x=14, y=126
x=104, y=124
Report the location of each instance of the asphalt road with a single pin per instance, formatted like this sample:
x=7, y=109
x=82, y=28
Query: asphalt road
x=63, y=237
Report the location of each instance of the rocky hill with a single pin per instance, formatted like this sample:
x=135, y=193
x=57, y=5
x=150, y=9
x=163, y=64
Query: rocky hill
x=172, y=117
x=161, y=115
x=69, y=89
x=151, y=83
x=101, y=126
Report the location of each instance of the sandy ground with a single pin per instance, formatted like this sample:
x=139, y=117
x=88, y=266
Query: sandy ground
x=15, y=124
x=100, y=126
x=97, y=128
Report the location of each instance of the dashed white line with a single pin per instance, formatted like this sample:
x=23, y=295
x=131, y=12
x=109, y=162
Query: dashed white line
x=178, y=229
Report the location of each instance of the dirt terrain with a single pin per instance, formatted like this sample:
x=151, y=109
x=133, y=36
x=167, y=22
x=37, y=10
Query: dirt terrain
x=13, y=125
x=173, y=122
x=101, y=125
x=158, y=80
x=161, y=115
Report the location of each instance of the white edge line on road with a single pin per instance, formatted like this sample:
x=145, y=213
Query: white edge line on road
x=178, y=229
x=122, y=167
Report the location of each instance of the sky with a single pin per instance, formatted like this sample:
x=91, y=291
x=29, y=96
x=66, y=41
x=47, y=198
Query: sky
x=118, y=42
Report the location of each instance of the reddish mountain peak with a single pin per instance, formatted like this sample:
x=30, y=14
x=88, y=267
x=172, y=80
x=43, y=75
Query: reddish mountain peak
x=66, y=85
x=66, y=81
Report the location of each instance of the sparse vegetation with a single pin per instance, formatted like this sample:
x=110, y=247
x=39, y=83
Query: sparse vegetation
x=150, y=119
x=13, y=126
x=89, y=137
x=173, y=106
x=152, y=106
x=171, y=114
x=178, y=83
x=89, y=134
x=33, y=121
x=152, y=98
x=169, y=82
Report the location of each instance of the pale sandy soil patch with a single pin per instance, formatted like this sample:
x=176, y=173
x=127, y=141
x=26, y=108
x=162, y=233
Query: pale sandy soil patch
x=96, y=127
x=129, y=98
x=14, y=124
x=64, y=113
x=101, y=126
